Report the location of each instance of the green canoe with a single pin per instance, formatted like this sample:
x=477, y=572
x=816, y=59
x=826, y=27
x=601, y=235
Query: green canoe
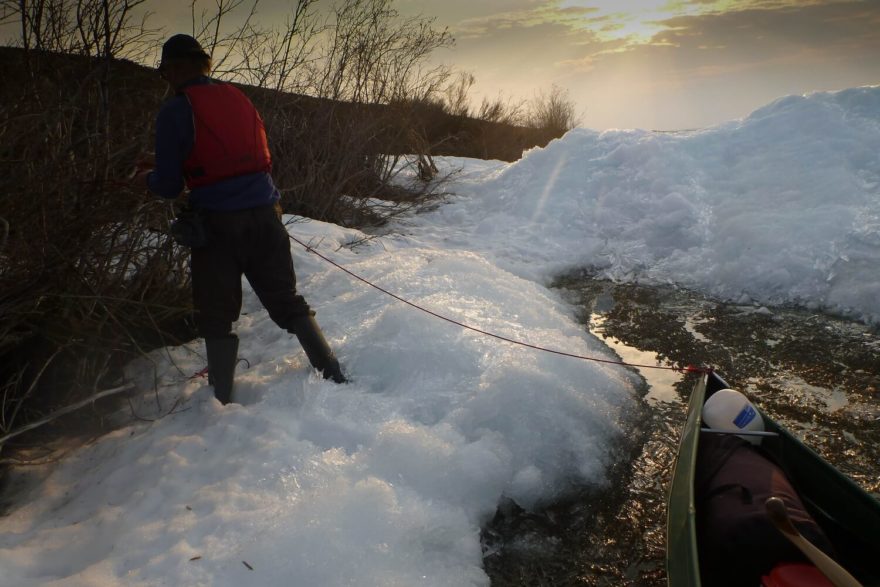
x=849, y=516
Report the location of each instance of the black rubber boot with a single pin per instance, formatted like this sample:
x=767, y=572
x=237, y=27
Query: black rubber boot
x=222, y=358
x=317, y=350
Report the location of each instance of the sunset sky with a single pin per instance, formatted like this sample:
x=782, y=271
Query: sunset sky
x=662, y=64
x=654, y=64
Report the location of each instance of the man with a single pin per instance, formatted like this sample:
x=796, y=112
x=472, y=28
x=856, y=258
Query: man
x=210, y=138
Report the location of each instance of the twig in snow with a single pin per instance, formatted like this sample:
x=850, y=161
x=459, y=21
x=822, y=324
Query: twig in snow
x=58, y=413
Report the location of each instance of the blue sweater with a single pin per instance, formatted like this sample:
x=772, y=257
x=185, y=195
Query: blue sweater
x=174, y=141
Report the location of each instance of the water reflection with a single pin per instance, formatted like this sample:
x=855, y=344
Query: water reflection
x=817, y=375
x=661, y=382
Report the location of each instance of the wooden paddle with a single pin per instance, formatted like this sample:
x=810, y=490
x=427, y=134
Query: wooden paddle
x=835, y=573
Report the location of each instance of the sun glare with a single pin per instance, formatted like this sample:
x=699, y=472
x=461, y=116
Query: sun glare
x=638, y=21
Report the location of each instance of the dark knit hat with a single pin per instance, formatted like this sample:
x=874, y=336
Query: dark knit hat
x=181, y=46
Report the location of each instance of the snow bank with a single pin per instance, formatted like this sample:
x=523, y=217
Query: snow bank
x=780, y=207
x=385, y=481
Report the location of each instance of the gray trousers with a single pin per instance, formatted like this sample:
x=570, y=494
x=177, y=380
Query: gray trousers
x=253, y=243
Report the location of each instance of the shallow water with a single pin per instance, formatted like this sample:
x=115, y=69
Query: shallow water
x=815, y=374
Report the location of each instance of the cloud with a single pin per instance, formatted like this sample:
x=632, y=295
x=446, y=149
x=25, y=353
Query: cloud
x=525, y=48
x=527, y=16
x=769, y=34
x=806, y=35
x=708, y=68
x=453, y=12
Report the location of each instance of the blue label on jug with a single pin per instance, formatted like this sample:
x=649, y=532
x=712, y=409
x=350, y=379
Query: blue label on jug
x=747, y=414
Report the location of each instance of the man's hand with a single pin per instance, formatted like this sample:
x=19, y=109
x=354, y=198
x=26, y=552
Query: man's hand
x=146, y=161
x=139, y=179
x=142, y=169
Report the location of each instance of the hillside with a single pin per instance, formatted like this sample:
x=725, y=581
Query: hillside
x=140, y=86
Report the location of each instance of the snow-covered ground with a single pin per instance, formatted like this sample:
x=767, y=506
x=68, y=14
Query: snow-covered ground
x=386, y=481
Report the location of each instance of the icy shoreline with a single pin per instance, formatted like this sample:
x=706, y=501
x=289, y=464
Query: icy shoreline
x=383, y=481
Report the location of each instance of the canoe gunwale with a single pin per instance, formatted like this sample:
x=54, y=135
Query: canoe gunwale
x=682, y=560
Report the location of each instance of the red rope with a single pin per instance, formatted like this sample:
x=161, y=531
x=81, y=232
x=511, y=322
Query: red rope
x=200, y=373
x=685, y=369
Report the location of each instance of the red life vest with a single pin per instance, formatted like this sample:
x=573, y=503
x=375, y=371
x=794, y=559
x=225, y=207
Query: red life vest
x=229, y=139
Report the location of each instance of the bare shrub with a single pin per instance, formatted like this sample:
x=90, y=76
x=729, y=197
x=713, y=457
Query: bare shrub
x=377, y=57
x=86, y=275
x=502, y=111
x=80, y=27
x=501, y=127
x=456, y=95
x=552, y=111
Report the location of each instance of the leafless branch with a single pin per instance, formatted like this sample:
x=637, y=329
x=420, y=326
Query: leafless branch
x=66, y=410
